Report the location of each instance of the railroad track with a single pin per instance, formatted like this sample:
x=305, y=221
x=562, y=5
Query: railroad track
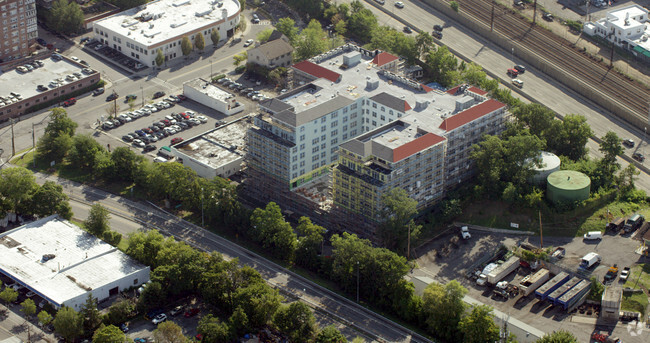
x=560, y=52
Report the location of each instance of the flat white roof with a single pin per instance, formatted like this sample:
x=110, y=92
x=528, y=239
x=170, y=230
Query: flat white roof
x=169, y=19
x=219, y=146
x=81, y=262
x=209, y=89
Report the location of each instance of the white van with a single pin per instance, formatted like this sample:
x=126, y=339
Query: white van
x=593, y=235
x=159, y=159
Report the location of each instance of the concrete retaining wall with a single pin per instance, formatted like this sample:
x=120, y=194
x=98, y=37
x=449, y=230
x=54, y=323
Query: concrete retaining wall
x=533, y=59
x=493, y=230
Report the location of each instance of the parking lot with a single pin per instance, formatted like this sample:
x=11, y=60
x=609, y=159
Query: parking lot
x=462, y=258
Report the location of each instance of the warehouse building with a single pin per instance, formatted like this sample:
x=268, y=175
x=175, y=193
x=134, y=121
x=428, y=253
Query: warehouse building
x=205, y=93
x=141, y=31
x=62, y=264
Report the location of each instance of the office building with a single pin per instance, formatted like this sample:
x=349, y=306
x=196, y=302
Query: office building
x=18, y=28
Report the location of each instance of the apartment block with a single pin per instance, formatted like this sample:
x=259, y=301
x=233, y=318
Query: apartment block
x=361, y=123
x=18, y=28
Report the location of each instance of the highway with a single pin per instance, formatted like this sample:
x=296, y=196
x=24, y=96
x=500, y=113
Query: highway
x=128, y=216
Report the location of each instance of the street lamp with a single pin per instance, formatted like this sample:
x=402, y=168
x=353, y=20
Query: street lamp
x=357, y=282
x=211, y=69
x=142, y=95
x=644, y=135
x=512, y=55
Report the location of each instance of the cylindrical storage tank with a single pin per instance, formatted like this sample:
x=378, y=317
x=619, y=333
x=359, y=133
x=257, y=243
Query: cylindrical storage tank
x=567, y=186
x=550, y=163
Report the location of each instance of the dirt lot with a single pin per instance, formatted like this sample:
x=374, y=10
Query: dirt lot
x=464, y=256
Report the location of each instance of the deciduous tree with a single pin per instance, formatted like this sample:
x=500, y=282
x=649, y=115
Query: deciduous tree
x=84, y=150
x=144, y=246
x=443, y=308
x=199, y=41
x=213, y=330
x=8, y=295
x=214, y=37
x=169, y=332
x=97, y=221
x=49, y=199
x=311, y=42
x=124, y=164
x=186, y=46
x=44, y=318
x=68, y=323
x=610, y=146
x=60, y=123
x=361, y=22
x=273, y=232
x=28, y=307
x=287, y=27
x=16, y=186
x=561, y=336
x=120, y=311
x=330, y=334
x=479, y=326
x=309, y=243
x=398, y=228
x=259, y=301
x=109, y=334
x=65, y=17
x=160, y=58
x=264, y=36
x=297, y=321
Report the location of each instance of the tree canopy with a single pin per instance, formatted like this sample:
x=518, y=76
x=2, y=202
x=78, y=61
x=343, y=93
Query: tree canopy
x=68, y=323
x=297, y=320
x=65, y=17
x=271, y=230
x=97, y=221
x=186, y=46
x=561, y=336
x=398, y=225
x=444, y=308
x=109, y=334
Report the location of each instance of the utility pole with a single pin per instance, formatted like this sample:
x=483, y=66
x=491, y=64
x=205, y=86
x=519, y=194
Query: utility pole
x=357, y=282
x=492, y=18
x=115, y=105
x=34, y=144
x=202, y=221
x=541, y=235
x=534, y=12
x=142, y=95
x=13, y=142
x=408, y=242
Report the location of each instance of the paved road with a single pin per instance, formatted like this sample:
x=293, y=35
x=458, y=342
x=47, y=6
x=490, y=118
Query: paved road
x=129, y=216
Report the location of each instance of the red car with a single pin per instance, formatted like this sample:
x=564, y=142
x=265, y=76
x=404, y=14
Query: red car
x=182, y=97
x=147, y=130
x=513, y=72
x=175, y=141
x=192, y=312
x=70, y=102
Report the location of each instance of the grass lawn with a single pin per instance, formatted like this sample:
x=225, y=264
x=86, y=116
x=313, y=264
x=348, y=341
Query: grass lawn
x=592, y=216
x=639, y=276
x=636, y=302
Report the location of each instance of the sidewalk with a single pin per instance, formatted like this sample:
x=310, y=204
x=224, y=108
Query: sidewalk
x=13, y=324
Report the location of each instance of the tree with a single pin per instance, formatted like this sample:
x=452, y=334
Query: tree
x=362, y=22
x=169, y=332
x=479, y=326
x=287, y=27
x=8, y=295
x=16, y=186
x=264, y=36
x=311, y=42
x=610, y=146
x=120, y=311
x=65, y=17
x=398, y=228
x=625, y=179
x=214, y=36
x=124, y=164
x=83, y=152
x=49, y=199
x=270, y=229
x=44, y=318
x=309, y=243
x=569, y=137
x=160, y=58
x=561, y=336
x=238, y=322
x=109, y=334
x=423, y=42
x=443, y=308
x=199, y=41
x=53, y=148
x=454, y=6
x=90, y=315
x=239, y=58
x=259, y=301
x=297, y=321
x=68, y=323
x=28, y=307
x=330, y=334
x=186, y=46
x=213, y=330
x=60, y=123
x=97, y=221
x=597, y=289
x=442, y=65
x=153, y=296
x=111, y=237
x=144, y=246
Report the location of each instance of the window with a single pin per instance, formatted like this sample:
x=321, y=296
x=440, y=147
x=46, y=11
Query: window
x=323, y=137
x=315, y=149
x=335, y=132
x=335, y=123
x=315, y=158
x=323, y=119
x=302, y=138
x=294, y=159
x=323, y=128
x=135, y=281
x=353, y=106
x=294, y=167
x=302, y=164
x=314, y=141
x=302, y=129
x=383, y=109
x=382, y=117
x=334, y=141
x=345, y=128
x=302, y=146
x=374, y=114
x=323, y=146
x=374, y=105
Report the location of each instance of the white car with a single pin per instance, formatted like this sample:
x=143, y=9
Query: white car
x=74, y=58
x=151, y=108
x=202, y=119
x=170, y=130
x=152, y=138
x=125, y=117
x=248, y=43
x=190, y=113
x=138, y=143
x=399, y=4
x=99, y=46
x=176, y=128
x=518, y=83
x=159, y=319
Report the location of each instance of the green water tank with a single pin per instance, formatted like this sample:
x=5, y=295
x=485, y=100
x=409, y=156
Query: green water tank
x=567, y=186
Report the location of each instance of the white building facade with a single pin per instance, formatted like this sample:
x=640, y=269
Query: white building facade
x=626, y=27
x=207, y=94
x=161, y=25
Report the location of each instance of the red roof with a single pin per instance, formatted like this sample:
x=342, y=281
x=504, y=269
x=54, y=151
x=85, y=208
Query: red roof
x=470, y=114
x=426, y=88
x=407, y=107
x=383, y=58
x=415, y=146
x=477, y=90
x=453, y=90
x=317, y=71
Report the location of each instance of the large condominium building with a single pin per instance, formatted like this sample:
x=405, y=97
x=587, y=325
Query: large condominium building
x=18, y=28
x=376, y=128
x=141, y=31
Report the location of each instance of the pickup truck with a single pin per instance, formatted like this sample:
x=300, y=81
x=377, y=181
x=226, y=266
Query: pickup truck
x=625, y=274
x=612, y=273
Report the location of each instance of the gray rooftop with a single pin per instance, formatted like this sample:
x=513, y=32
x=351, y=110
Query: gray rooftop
x=208, y=89
x=25, y=83
x=314, y=112
x=219, y=146
x=275, y=48
x=82, y=262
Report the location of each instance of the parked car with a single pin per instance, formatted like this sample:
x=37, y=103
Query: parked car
x=98, y=91
x=629, y=143
x=130, y=97
x=202, y=119
x=625, y=273
x=127, y=138
x=70, y=102
x=177, y=310
x=107, y=125
x=138, y=143
x=176, y=140
x=638, y=156
x=191, y=312
x=158, y=94
x=124, y=327
x=149, y=147
x=41, y=88
x=98, y=47
x=159, y=319
x=548, y=17
x=407, y=29
x=248, y=43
